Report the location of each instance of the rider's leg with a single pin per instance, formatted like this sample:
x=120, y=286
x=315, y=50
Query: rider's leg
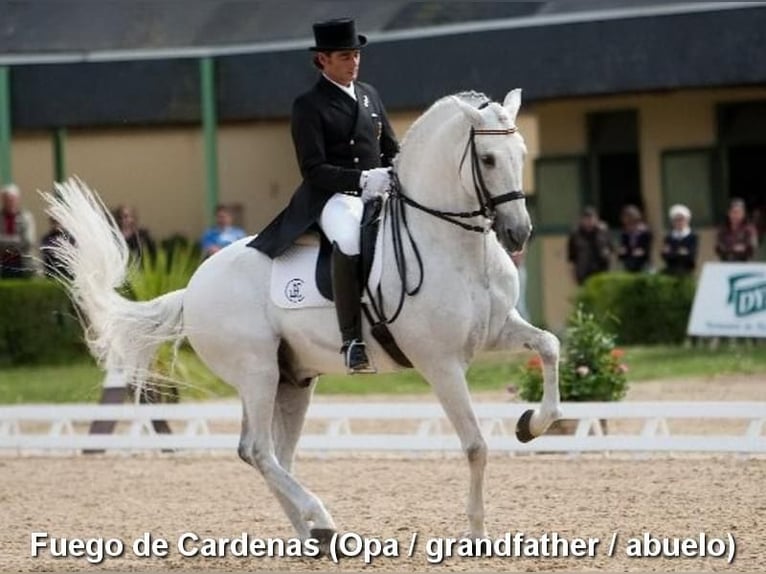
x=340, y=221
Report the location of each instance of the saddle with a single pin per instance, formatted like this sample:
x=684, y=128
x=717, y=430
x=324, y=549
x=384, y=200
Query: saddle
x=301, y=277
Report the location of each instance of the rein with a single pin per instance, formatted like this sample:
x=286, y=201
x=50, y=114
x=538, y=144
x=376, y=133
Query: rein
x=394, y=210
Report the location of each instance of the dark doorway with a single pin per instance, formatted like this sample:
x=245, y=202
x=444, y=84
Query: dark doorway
x=614, y=163
x=747, y=174
x=619, y=184
x=742, y=136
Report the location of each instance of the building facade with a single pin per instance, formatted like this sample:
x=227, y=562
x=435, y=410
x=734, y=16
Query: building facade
x=648, y=102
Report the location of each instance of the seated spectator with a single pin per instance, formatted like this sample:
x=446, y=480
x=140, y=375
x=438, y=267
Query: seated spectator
x=635, y=240
x=222, y=234
x=53, y=266
x=737, y=240
x=589, y=248
x=139, y=240
x=17, y=235
x=679, y=250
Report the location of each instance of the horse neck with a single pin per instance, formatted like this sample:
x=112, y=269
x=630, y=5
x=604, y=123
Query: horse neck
x=429, y=170
x=429, y=163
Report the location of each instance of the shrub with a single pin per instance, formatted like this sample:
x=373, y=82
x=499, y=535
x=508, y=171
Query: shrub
x=171, y=269
x=38, y=324
x=642, y=308
x=591, y=367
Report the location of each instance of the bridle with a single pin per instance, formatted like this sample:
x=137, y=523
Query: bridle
x=396, y=213
x=487, y=202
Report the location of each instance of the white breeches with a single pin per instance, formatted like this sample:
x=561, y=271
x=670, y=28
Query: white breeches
x=340, y=221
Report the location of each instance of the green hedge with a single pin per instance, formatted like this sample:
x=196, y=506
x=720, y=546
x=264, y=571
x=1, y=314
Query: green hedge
x=38, y=324
x=640, y=308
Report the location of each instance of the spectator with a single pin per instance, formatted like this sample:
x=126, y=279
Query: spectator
x=17, y=235
x=635, y=240
x=53, y=266
x=589, y=247
x=222, y=234
x=679, y=250
x=737, y=239
x=139, y=240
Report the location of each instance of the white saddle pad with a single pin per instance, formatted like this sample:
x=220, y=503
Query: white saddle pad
x=293, y=276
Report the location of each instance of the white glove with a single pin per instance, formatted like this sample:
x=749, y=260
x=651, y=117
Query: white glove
x=374, y=183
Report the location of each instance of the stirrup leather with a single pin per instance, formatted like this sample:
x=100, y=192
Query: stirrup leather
x=355, y=357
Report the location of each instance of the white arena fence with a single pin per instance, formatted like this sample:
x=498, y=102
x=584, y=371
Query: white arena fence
x=36, y=429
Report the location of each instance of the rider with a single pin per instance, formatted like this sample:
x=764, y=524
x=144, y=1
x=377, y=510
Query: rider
x=345, y=146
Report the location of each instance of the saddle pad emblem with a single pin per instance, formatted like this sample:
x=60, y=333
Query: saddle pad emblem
x=293, y=284
x=293, y=278
x=294, y=290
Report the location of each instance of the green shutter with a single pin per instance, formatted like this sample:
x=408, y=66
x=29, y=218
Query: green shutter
x=560, y=192
x=687, y=178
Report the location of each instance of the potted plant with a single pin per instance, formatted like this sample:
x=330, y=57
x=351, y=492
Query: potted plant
x=591, y=367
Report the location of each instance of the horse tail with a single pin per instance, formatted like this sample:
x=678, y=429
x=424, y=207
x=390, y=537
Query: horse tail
x=121, y=334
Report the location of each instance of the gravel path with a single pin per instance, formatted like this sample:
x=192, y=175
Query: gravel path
x=575, y=497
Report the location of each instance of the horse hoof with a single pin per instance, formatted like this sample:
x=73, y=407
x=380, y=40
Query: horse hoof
x=523, y=432
x=323, y=537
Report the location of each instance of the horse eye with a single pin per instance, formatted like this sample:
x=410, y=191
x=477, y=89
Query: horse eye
x=488, y=160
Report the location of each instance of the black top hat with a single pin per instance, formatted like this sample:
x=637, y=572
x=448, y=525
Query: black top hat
x=334, y=35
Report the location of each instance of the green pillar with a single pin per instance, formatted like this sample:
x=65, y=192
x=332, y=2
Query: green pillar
x=59, y=154
x=210, y=141
x=6, y=172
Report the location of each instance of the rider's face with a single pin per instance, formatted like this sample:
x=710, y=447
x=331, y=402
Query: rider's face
x=341, y=67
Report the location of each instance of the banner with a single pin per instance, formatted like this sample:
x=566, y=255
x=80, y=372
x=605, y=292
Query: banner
x=730, y=301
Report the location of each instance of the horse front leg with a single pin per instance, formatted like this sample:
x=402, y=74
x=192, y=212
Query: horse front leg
x=451, y=389
x=516, y=334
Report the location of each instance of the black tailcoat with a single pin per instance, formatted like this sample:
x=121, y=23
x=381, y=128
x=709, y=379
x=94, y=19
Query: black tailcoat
x=335, y=138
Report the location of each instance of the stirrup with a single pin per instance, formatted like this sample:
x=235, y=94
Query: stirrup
x=355, y=357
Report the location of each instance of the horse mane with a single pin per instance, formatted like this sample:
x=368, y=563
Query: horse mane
x=476, y=99
x=444, y=108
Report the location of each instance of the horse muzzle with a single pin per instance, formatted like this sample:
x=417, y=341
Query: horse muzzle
x=513, y=238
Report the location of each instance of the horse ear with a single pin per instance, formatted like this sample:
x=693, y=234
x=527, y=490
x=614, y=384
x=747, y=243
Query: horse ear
x=512, y=103
x=472, y=114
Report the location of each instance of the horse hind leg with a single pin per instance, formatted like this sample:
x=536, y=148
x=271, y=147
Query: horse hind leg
x=294, y=394
x=289, y=416
x=291, y=511
x=258, y=448
x=516, y=334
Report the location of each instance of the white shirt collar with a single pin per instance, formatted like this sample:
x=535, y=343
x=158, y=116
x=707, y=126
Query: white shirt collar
x=348, y=89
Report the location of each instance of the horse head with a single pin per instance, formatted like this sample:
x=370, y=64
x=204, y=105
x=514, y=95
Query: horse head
x=492, y=163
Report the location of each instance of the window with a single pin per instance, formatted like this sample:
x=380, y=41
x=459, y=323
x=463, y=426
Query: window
x=560, y=190
x=742, y=139
x=687, y=178
x=614, y=163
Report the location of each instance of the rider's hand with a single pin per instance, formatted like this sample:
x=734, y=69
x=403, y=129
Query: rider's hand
x=375, y=182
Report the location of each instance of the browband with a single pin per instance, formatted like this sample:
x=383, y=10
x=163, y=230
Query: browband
x=498, y=132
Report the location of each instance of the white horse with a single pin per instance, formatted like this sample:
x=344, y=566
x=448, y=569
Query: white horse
x=460, y=169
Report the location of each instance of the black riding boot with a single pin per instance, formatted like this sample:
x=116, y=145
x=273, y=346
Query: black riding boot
x=347, y=295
